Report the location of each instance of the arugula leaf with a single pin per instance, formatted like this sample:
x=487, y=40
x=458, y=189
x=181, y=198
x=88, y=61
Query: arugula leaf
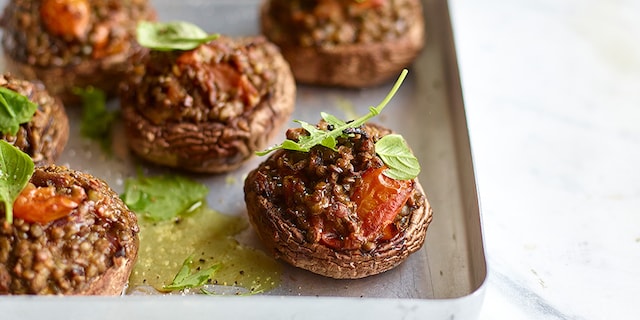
x=16, y=168
x=96, y=119
x=186, y=278
x=331, y=119
x=328, y=138
x=392, y=149
x=15, y=109
x=395, y=153
x=167, y=36
x=163, y=197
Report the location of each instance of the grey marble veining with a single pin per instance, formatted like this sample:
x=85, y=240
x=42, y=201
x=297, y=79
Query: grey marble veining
x=552, y=93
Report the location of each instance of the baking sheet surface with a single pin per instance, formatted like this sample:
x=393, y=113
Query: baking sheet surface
x=446, y=275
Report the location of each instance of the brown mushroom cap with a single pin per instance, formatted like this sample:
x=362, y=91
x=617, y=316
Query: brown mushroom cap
x=349, y=65
x=293, y=198
x=190, y=125
x=100, y=56
x=290, y=244
x=45, y=136
x=91, y=251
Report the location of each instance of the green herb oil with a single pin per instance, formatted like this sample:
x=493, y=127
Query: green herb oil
x=210, y=237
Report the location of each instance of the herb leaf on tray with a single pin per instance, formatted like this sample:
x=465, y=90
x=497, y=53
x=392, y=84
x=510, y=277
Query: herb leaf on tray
x=163, y=197
x=168, y=36
x=96, y=119
x=16, y=168
x=186, y=278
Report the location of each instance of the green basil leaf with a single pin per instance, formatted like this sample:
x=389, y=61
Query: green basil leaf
x=96, y=119
x=15, y=109
x=395, y=153
x=16, y=168
x=167, y=36
x=186, y=278
x=163, y=197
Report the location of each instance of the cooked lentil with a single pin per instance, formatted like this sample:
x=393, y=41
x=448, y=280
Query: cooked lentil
x=66, y=255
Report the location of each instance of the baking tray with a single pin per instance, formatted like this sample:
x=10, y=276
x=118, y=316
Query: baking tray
x=444, y=280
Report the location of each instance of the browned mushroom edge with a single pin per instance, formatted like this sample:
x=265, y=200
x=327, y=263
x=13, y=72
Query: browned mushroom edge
x=359, y=60
x=45, y=136
x=100, y=56
x=208, y=109
x=288, y=189
x=91, y=251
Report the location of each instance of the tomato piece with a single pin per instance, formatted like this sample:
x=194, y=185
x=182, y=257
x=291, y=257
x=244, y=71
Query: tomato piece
x=369, y=4
x=43, y=205
x=379, y=200
x=227, y=78
x=67, y=18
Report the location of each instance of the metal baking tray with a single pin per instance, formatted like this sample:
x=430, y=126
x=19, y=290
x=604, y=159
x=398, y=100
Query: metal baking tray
x=444, y=280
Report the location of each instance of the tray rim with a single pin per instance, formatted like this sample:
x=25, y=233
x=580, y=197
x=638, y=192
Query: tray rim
x=16, y=305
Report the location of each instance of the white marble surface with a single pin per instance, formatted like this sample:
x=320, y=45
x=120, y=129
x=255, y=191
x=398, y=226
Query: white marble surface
x=552, y=91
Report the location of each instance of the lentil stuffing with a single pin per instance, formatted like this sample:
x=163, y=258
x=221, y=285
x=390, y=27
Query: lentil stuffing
x=68, y=254
x=314, y=191
x=54, y=33
x=216, y=82
x=336, y=22
x=44, y=137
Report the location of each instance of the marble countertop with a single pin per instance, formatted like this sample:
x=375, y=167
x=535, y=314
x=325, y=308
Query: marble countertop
x=552, y=93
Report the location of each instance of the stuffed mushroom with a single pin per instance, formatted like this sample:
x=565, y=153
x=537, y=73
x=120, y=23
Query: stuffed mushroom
x=42, y=135
x=349, y=43
x=73, y=43
x=210, y=108
x=70, y=235
x=334, y=211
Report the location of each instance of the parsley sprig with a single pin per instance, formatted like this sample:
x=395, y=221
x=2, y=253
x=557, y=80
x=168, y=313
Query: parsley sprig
x=392, y=149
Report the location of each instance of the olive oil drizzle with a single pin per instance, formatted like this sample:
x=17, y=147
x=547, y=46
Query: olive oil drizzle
x=210, y=237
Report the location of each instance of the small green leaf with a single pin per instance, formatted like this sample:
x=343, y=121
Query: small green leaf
x=331, y=119
x=15, y=109
x=16, y=168
x=395, y=153
x=163, y=197
x=186, y=278
x=167, y=36
x=96, y=119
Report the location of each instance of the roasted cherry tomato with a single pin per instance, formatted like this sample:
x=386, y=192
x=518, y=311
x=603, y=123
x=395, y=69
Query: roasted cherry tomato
x=66, y=18
x=366, y=4
x=380, y=199
x=43, y=205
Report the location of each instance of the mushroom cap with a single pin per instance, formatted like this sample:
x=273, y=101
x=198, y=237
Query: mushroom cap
x=98, y=54
x=287, y=242
x=297, y=200
x=91, y=251
x=354, y=65
x=46, y=134
x=209, y=145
